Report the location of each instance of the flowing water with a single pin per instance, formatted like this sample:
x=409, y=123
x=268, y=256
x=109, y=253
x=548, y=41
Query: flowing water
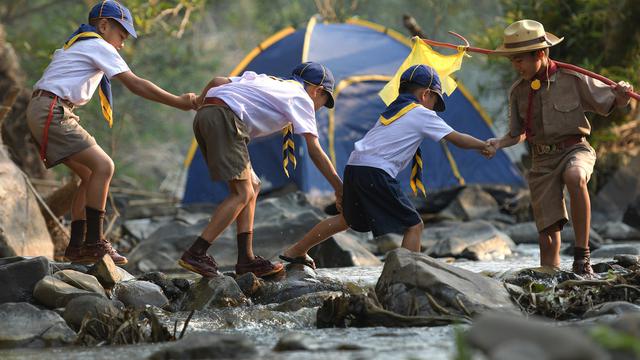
x=265, y=326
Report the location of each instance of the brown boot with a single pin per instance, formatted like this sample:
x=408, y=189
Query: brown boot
x=199, y=264
x=73, y=253
x=92, y=253
x=259, y=266
x=582, y=263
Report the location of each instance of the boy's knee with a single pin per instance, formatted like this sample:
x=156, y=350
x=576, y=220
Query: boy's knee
x=418, y=227
x=575, y=178
x=104, y=168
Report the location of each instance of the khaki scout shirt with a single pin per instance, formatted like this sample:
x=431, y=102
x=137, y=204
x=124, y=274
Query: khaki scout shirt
x=558, y=112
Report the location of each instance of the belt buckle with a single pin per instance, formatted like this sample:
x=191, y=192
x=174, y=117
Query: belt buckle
x=543, y=148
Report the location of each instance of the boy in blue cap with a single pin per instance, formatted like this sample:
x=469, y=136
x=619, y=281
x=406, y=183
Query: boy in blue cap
x=234, y=111
x=373, y=199
x=88, y=60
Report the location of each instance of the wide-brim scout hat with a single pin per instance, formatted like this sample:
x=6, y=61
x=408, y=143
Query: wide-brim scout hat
x=427, y=77
x=109, y=9
x=525, y=36
x=316, y=74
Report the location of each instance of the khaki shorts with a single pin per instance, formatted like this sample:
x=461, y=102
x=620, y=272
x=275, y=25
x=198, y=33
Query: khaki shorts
x=547, y=185
x=65, y=138
x=223, y=138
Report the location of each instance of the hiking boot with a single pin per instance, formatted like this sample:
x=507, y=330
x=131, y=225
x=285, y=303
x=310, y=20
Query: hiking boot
x=583, y=269
x=199, y=264
x=259, y=266
x=73, y=253
x=92, y=253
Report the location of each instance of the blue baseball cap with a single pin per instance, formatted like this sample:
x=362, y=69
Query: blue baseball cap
x=425, y=76
x=114, y=10
x=316, y=74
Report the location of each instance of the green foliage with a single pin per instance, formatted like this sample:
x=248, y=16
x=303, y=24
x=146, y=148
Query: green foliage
x=615, y=340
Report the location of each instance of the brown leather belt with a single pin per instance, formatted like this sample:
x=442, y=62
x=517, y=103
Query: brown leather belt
x=214, y=101
x=541, y=149
x=49, y=94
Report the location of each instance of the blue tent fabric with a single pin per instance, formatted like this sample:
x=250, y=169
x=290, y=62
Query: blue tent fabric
x=360, y=57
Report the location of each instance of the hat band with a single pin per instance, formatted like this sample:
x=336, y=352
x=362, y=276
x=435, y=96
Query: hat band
x=527, y=42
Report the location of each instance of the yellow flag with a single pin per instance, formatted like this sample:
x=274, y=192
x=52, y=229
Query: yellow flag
x=421, y=53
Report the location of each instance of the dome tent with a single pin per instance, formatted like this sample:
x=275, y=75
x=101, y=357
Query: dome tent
x=362, y=56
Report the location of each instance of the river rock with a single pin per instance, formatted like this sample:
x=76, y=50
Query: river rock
x=609, y=251
x=218, y=291
x=138, y=294
x=203, y=345
x=523, y=233
x=631, y=215
x=249, y=283
x=19, y=277
x=278, y=223
x=106, y=272
x=494, y=334
x=309, y=300
x=627, y=261
x=23, y=231
x=170, y=290
x=408, y=277
x=293, y=342
x=297, y=281
x=387, y=242
x=80, y=281
x=90, y=306
x=475, y=240
x=342, y=250
x=618, y=231
x=618, y=193
x=612, y=308
x=32, y=327
x=55, y=293
x=471, y=203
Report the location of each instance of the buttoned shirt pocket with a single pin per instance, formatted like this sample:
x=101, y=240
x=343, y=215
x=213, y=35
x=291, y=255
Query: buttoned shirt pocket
x=565, y=116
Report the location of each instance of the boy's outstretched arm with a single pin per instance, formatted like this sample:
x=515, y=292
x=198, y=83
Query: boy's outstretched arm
x=148, y=90
x=216, y=81
x=322, y=162
x=506, y=141
x=466, y=141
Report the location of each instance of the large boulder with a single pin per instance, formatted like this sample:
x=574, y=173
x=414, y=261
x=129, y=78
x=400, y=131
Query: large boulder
x=19, y=277
x=138, y=294
x=502, y=336
x=342, y=250
x=208, y=346
x=279, y=222
x=55, y=293
x=416, y=284
x=24, y=325
x=23, y=231
x=475, y=240
x=609, y=251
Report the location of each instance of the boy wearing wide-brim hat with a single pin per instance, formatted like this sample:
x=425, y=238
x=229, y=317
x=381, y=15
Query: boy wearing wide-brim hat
x=234, y=111
x=373, y=199
x=546, y=108
x=87, y=62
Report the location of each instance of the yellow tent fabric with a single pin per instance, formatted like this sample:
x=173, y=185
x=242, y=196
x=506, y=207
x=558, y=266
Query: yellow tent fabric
x=421, y=53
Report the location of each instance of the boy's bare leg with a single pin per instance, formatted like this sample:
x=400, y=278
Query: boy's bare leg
x=575, y=178
x=319, y=233
x=412, y=237
x=101, y=168
x=240, y=194
x=549, y=241
x=244, y=223
x=79, y=198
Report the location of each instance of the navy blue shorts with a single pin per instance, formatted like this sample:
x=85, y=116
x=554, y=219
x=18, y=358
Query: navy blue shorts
x=373, y=201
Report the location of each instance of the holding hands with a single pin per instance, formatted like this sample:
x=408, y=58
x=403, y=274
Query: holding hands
x=490, y=148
